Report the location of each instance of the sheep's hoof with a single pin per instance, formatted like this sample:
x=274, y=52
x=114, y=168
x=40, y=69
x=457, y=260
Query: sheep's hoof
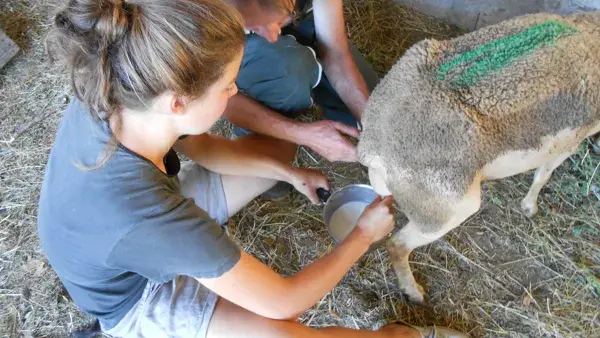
x=415, y=294
x=530, y=209
x=594, y=144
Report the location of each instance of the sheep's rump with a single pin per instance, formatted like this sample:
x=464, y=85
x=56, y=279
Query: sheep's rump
x=449, y=107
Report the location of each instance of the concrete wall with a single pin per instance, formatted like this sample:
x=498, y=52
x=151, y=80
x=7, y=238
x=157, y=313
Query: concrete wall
x=472, y=14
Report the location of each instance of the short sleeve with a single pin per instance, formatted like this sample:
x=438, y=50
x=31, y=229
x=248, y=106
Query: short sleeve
x=177, y=238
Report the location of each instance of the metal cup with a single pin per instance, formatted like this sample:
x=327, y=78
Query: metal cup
x=350, y=193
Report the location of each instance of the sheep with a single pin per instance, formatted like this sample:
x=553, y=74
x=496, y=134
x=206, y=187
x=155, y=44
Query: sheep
x=502, y=100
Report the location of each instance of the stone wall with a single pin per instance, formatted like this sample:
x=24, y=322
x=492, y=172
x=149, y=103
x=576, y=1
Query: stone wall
x=8, y=49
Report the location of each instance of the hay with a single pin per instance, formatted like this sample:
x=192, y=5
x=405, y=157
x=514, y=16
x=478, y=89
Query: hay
x=500, y=274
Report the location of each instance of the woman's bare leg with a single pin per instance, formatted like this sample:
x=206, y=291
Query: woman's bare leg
x=230, y=320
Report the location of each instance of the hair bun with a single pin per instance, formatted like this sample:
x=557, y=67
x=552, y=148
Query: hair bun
x=108, y=20
x=112, y=19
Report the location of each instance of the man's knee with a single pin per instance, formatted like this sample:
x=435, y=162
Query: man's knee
x=280, y=75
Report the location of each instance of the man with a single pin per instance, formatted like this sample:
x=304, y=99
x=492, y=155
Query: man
x=296, y=54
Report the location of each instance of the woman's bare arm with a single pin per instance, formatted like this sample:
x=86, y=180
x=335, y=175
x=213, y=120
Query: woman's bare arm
x=257, y=288
x=242, y=157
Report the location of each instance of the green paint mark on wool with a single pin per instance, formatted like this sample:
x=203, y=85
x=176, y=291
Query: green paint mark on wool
x=482, y=60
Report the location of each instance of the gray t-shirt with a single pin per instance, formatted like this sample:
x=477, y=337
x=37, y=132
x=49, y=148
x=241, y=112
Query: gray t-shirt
x=109, y=230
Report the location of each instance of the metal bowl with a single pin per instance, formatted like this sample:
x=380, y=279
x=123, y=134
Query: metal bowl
x=350, y=193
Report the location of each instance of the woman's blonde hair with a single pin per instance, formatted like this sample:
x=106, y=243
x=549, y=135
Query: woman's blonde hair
x=124, y=53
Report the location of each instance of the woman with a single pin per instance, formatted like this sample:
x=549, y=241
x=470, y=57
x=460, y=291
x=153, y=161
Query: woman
x=132, y=234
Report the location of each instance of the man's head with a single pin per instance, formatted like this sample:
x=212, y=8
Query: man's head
x=265, y=17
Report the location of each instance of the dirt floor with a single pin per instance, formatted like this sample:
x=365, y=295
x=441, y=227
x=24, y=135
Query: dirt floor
x=499, y=275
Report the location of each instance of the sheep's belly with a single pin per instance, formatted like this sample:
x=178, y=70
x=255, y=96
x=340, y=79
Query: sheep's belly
x=514, y=162
x=517, y=161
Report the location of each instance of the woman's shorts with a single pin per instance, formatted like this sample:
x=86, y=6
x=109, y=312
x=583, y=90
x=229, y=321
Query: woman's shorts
x=179, y=308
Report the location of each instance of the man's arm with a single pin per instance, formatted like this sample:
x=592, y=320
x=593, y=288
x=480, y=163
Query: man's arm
x=334, y=53
x=324, y=137
x=249, y=114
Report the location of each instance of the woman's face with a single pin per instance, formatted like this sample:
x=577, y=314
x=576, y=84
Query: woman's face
x=202, y=113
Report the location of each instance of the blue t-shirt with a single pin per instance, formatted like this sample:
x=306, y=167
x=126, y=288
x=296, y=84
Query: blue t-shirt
x=107, y=231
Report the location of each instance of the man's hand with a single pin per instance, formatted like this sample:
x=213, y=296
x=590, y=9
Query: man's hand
x=307, y=181
x=328, y=139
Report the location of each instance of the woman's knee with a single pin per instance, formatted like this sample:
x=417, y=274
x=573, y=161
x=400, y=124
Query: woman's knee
x=241, y=190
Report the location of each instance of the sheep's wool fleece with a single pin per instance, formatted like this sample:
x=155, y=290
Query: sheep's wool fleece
x=447, y=108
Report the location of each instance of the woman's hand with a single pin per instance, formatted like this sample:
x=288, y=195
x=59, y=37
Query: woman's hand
x=377, y=221
x=307, y=181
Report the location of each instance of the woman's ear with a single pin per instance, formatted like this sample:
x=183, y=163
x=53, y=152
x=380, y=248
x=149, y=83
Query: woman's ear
x=178, y=105
x=170, y=103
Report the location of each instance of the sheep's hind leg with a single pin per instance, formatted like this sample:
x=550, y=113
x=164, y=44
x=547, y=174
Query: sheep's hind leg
x=541, y=177
x=412, y=236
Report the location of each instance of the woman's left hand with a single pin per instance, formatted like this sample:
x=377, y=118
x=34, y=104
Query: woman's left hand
x=307, y=181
